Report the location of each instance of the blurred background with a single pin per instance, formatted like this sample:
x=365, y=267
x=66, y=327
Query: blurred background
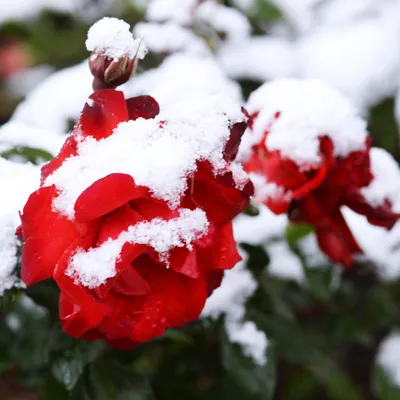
x=287, y=324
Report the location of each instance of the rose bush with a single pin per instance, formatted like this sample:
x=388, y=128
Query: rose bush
x=128, y=263
x=310, y=169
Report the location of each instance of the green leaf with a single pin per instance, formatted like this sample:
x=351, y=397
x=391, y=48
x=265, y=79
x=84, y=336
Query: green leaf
x=295, y=232
x=267, y=11
x=30, y=154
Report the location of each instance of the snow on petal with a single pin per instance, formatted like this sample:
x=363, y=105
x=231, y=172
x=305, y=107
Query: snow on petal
x=93, y=267
x=158, y=153
x=307, y=109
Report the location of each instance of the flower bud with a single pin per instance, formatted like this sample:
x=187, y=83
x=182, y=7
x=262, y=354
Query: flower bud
x=115, y=53
x=110, y=73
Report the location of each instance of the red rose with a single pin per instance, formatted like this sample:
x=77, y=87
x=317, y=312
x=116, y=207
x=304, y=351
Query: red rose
x=309, y=156
x=133, y=217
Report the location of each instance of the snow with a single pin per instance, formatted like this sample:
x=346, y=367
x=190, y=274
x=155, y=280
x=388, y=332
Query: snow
x=229, y=299
x=311, y=251
x=93, y=267
x=56, y=100
x=224, y=20
x=113, y=38
x=183, y=76
x=379, y=245
x=17, y=182
x=264, y=190
x=386, y=182
x=240, y=176
x=358, y=59
x=15, y=134
x=180, y=11
x=253, y=341
x=23, y=82
x=308, y=110
x=245, y=5
x=284, y=264
x=259, y=229
x=22, y=9
x=299, y=13
x=267, y=230
x=170, y=37
x=388, y=356
x=259, y=58
x=158, y=153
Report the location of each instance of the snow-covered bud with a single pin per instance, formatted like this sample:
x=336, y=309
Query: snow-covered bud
x=115, y=53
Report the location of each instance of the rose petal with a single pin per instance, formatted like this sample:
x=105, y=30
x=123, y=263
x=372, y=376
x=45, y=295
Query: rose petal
x=174, y=300
x=106, y=195
x=142, y=107
x=46, y=236
x=105, y=111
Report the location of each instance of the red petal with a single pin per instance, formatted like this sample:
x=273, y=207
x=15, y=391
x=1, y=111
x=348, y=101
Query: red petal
x=142, y=107
x=46, y=236
x=81, y=313
x=113, y=224
x=184, y=261
x=105, y=195
x=108, y=108
x=282, y=171
x=130, y=283
x=68, y=149
x=380, y=216
x=78, y=320
x=223, y=253
x=233, y=143
x=174, y=301
x=337, y=241
x=214, y=279
x=151, y=208
x=217, y=195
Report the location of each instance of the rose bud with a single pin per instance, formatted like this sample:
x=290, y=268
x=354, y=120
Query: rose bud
x=115, y=53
